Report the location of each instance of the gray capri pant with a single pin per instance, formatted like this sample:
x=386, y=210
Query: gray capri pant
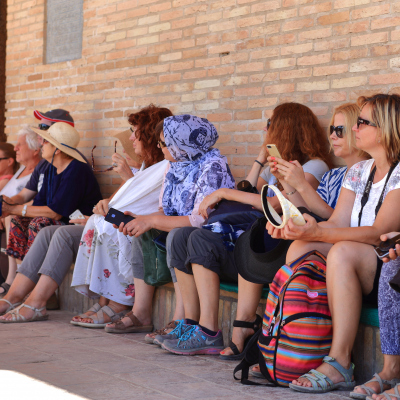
x=52, y=252
x=200, y=246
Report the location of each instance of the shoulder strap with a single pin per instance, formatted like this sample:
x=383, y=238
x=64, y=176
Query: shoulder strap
x=298, y=261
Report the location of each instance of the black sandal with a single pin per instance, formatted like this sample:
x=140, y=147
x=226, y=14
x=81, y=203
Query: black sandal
x=237, y=355
x=6, y=288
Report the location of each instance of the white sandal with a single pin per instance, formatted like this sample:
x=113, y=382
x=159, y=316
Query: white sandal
x=96, y=307
x=17, y=317
x=11, y=306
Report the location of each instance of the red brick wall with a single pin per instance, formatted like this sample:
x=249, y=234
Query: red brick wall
x=231, y=61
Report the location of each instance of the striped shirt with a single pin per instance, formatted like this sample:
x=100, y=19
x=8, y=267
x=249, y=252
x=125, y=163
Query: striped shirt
x=331, y=184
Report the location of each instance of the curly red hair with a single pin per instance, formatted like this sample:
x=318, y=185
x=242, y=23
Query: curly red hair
x=297, y=134
x=145, y=122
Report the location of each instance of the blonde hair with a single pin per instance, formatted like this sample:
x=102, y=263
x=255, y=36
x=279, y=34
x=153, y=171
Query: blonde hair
x=350, y=111
x=385, y=112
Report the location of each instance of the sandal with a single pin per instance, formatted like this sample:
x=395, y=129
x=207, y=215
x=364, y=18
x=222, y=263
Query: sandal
x=237, y=355
x=17, y=317
x=392, y=383
x=98, y=318
x=92, y=309
x=322, y=384
x=149, y=338
x=135, y=328
x=6, y=288
x=11, y=306
x=390, y=396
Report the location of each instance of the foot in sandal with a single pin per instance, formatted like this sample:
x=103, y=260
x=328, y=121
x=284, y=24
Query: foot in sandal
x=106, y=314
x=376, y=385
x=130, y=324
x=92, y=310
x=391, y=394
x=25, y=313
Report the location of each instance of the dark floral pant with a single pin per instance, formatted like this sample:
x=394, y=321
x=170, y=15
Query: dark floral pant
x=23, y=231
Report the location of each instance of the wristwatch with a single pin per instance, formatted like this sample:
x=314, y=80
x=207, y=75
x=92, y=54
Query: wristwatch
x=23, y=212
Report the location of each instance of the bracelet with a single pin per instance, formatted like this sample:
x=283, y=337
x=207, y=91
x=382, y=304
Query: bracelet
x=258, y=162
x=290, y=193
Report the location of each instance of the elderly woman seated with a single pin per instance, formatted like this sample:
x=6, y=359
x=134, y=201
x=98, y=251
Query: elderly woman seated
x=68, y=185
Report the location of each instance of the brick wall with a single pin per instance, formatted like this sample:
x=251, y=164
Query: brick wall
x=231, y=61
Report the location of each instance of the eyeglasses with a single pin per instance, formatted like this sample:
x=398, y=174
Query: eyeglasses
x=43, y=127
x=362, y=121
x=268, y=123
x=340, y=130
x=44, y=141
x=103, y=170
x=161, y=144
x=4, y=158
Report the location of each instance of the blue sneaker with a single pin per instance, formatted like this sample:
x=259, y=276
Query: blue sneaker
x=176, y=333
x=194, y=341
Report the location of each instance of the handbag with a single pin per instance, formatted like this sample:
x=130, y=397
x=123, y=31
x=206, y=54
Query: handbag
x=156, y=271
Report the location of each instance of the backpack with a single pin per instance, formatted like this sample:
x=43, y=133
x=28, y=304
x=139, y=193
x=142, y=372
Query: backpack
x=296, y=333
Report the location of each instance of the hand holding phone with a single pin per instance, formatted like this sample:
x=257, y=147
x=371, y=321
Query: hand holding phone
x=116, y=217
x=382, y=251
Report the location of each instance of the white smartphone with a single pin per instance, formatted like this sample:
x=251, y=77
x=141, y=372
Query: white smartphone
x=76, y=215
x=273, y=151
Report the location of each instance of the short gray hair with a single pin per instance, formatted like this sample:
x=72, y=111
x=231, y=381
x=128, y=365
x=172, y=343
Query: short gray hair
x=32, y=138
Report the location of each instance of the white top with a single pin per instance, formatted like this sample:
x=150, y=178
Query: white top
x=15, y=185
x=356, y=181
x=316, y=167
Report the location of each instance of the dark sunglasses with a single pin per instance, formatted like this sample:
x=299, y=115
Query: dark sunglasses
x=362, y=121
x=268, y=123
x=161, y=144
x=43, y=127
x=339, y=130
x=103, y=170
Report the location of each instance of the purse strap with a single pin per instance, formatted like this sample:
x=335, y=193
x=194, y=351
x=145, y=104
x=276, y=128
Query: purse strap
x=299, y=260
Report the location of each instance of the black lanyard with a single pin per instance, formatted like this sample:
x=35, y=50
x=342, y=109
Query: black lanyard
x=365, y=197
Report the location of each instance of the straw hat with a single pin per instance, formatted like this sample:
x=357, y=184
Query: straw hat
x=63, y=136
x=123, y=137
x=288, y=209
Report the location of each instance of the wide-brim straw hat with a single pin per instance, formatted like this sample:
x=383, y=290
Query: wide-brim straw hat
x=127, y=144
x=63, y=136
x=288, y=209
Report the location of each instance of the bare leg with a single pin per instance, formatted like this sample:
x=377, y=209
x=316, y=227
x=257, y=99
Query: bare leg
x=179, y=309
x=298, y=248
x=249, y=295
x=142, y=308
x=190, y=297
x=351, y=269
x=18, y=290
x=207, y=283
x=391, y=370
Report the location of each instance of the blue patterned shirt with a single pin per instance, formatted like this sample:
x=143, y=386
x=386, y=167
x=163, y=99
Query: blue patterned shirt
x=331, y=184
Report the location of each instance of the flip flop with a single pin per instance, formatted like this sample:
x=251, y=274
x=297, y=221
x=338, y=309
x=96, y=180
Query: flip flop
x=137, y=326
x=322, y=384
x=18, y=318
x=99, y=318
x=11, y=306
x=92, y=309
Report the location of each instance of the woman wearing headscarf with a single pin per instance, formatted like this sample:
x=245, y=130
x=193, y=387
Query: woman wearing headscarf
x=195, y=170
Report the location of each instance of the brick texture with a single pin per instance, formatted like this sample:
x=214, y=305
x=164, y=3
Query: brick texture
x=231, y=61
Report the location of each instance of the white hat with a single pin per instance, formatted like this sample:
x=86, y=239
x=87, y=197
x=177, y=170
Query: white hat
x=63, y=136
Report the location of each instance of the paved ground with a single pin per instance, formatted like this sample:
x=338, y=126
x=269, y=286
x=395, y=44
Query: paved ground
x=58, y=361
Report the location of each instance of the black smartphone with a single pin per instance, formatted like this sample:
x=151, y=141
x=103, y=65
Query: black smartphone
x=382, y=250
x=116, y=217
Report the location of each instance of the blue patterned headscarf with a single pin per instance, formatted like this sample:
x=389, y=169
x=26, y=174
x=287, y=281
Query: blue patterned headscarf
x=199, y=169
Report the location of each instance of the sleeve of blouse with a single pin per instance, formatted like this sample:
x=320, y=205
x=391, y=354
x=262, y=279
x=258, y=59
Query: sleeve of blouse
x=353, y=177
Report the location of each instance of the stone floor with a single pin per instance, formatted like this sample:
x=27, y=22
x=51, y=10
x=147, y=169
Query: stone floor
x=56, y=360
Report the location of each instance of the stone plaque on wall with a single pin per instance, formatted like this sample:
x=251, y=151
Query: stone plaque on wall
x=64, y=28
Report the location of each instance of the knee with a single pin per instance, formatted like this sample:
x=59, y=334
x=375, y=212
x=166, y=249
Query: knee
x=341, y=258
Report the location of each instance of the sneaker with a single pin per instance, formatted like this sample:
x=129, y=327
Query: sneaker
x=149, y=338
x=194, y=341
x=179, y=330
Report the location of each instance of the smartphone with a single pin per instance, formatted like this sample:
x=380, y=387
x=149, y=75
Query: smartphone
x=116, y=217
x=273, y=151
x=382, y=250
x=76, y=215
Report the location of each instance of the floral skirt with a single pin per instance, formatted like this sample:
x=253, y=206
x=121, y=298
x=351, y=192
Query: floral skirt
x=97, y=271
x=23, y=231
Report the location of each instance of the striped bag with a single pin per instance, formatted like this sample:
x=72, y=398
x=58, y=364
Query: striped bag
x=297, y=326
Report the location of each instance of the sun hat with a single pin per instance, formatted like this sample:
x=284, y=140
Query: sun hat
x=252, y=261
x=127, y=144
x=288, y=209
x=63, y=136
x=57, y=115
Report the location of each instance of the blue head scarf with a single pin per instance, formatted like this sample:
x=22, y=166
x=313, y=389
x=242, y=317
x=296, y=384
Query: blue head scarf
x=199, y=169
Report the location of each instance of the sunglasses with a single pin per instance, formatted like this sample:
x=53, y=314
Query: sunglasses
x=340, y=130
x=103, y=170
x=43, y=127
x=362, y=121
x=268, y=123
x=161, y=144
x=4, y=158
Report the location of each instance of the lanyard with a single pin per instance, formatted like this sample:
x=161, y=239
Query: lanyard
x=365, y=197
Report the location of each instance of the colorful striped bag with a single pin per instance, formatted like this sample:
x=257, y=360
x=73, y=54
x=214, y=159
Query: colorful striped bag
x=297, y=326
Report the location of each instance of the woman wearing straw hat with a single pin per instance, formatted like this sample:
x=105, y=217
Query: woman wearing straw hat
x=68, y=185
